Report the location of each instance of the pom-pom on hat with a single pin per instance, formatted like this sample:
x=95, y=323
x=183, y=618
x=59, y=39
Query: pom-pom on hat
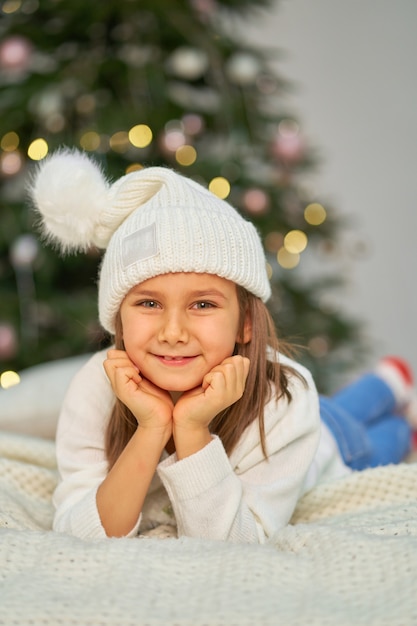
x=152, y=221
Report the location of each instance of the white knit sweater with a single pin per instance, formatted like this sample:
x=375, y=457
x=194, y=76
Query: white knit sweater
x=242, y=498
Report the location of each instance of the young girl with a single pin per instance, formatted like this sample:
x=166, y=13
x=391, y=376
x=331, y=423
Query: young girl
x=195, y=419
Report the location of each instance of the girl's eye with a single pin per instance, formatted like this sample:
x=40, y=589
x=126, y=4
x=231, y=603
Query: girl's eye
x=203, y=305
x=148, y=304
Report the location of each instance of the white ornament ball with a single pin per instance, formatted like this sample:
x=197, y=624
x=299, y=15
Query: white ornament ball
x=243, y=68
x=188, y=63
x=24, y=251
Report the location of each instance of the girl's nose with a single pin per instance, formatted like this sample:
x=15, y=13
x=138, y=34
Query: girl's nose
x=173, y=329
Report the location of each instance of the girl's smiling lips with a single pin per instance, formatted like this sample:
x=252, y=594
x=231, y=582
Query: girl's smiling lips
x=173, y=361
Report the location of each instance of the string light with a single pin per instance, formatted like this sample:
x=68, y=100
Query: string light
x=315, y=214
x=90, y=141
x=38, y=149
x=220, y=187
x=186, y=155
x=119, y=142
x=11, y=6
x=295, y=241
x=134, y=167
x=286, y=259
x=10, y=142
x=140, y=136
x=9, y=379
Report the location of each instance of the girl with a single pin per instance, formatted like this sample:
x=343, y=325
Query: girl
x=195, y=419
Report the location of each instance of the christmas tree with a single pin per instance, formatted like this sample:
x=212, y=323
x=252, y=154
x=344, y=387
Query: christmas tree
x=155, y=83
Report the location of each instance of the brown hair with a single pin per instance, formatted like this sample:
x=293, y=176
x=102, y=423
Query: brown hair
x=266, y=378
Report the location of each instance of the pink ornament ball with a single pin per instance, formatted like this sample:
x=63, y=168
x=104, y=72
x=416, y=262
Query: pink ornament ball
x=8, y=341
x=256, y=201
x=288, y=145
x=15, y=53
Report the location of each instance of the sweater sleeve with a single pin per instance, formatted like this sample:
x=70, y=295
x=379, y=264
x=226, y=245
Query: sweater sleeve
x=247, y=497
x=80, y=451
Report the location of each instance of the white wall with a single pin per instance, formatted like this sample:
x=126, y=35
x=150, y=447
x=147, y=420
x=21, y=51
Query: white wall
x=355, y=68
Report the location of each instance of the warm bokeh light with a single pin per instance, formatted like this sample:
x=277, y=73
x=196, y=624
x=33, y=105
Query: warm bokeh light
x=38, y=149
x=9, y=379
x=119, y=142
x=274, y=241
x=318, y=346
x=10, y=142
x=295, y=241
x=140, y=136
x=220, y=187
x=186, y=155
x=90, y=141
x=315, y=214
x=11, y=6
x=134, y=167
x=287, y=260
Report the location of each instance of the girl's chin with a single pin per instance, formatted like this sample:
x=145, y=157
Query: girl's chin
x=177, y=389
x=177, y=382
x=180, y=390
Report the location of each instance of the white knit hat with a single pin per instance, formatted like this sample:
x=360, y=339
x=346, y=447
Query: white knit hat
x=152, y=221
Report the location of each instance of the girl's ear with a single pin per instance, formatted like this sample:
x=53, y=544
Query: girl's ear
x=247, y=331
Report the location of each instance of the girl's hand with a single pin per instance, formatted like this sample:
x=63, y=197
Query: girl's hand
x=221, y=387
x=151, y=405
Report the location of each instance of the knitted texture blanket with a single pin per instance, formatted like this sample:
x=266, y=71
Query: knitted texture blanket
x=349, y=557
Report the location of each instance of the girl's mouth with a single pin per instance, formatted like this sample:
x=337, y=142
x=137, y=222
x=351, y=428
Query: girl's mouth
x=175, y=361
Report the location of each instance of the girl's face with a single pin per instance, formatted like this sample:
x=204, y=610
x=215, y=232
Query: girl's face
x=177, y=327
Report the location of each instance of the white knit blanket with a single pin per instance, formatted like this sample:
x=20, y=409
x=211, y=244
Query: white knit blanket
x=349, y=557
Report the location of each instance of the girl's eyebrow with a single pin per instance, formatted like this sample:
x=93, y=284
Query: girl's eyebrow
x=137, y=291
x=203, y=293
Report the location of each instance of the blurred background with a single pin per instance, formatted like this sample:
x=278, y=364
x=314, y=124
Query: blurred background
x=352, y=67
x=300, y=114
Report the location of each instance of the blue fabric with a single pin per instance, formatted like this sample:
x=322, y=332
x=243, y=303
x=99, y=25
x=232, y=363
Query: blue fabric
x=365, y=424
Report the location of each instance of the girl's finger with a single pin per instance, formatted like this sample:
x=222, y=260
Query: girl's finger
x=119, y=356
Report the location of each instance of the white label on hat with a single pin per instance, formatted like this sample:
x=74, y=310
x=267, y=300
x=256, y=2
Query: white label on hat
x=140, y=245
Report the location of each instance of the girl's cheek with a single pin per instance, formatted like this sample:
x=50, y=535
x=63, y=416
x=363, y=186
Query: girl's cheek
x=133, y=358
